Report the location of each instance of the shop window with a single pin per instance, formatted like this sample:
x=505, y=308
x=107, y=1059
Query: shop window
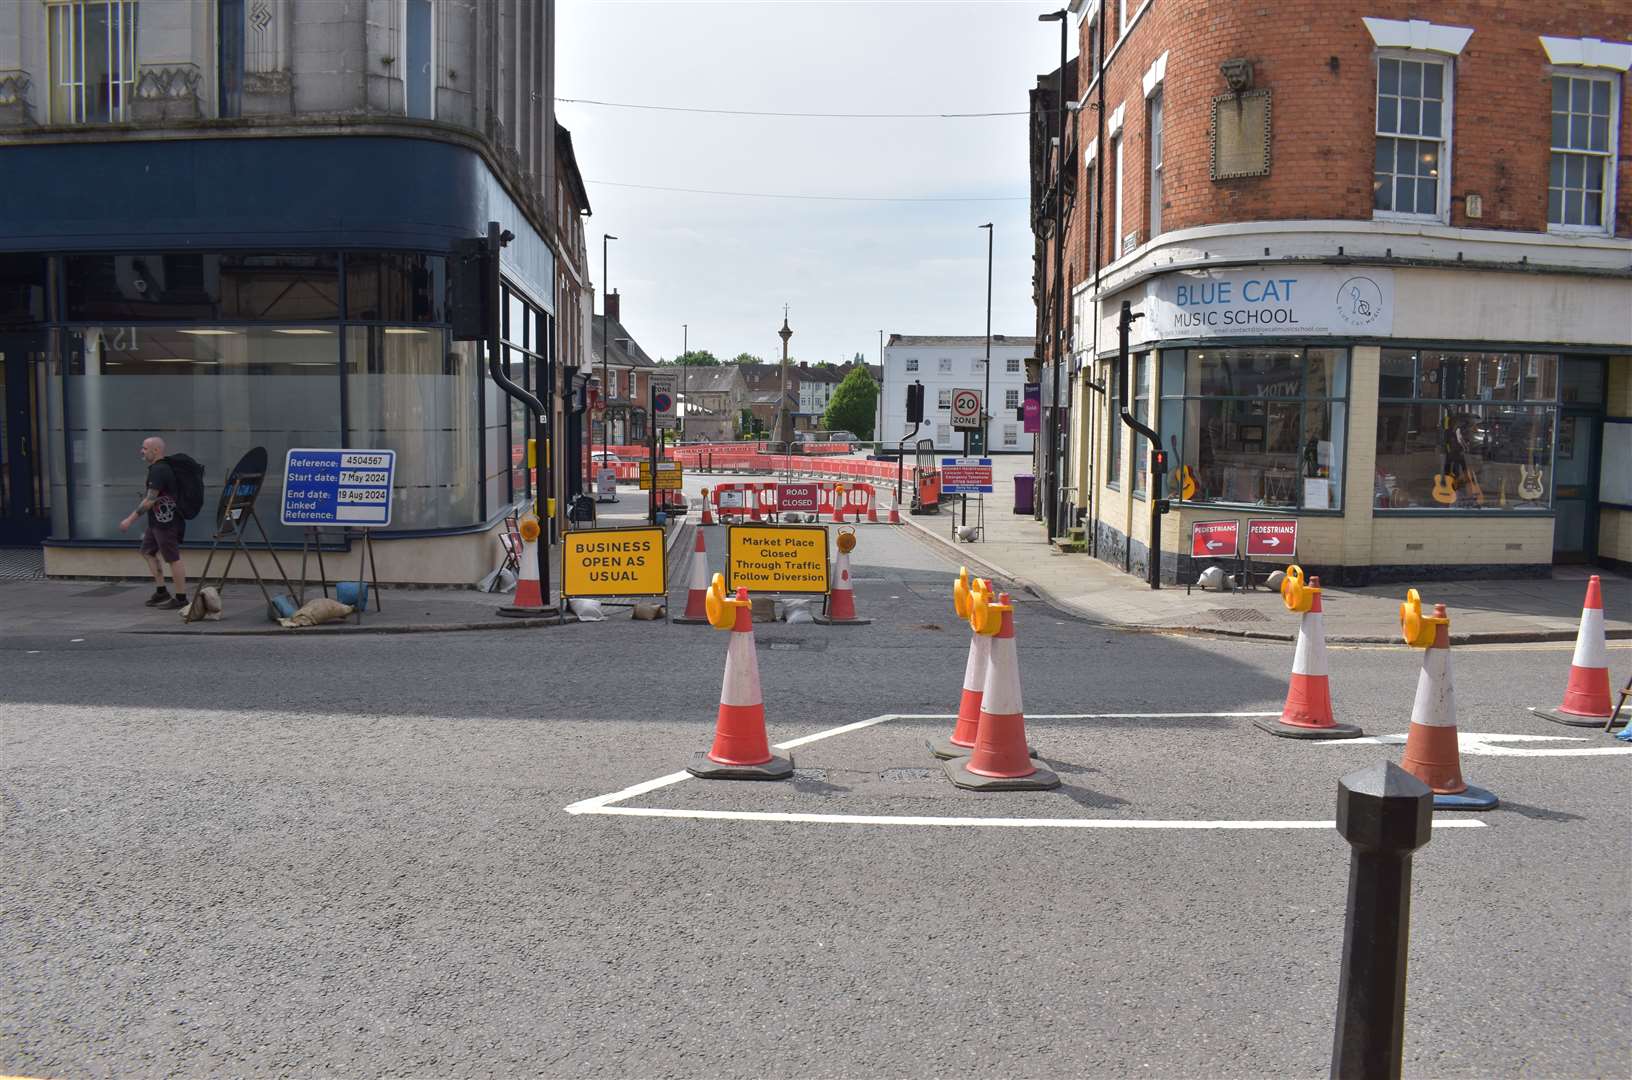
x=399, y=288
x=1011, y=399
x=1113, y=432
x=93, y=60
x=23, y=282
x=516, y=369
x=212, y=392
x=1141, y=412
x=1258, y=426
x=1465, y=431
x=1583, y=153
x=1413, y=122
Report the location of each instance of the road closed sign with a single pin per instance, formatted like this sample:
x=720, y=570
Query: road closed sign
x=777, y=558
x=1214, y=539
x=1275, y=539
x=613, y=562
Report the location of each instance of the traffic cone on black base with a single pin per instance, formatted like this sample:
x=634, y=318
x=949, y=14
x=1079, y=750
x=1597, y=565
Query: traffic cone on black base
x=741, y=750
x=962, y=739
x=841, y=599
x=697, y=594
x=1000, y=760
x=1308, y=710
x=1432, y=753
x=1586, y=695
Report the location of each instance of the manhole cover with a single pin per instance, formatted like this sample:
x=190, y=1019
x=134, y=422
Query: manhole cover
x=1238, y=614
x=907, y=775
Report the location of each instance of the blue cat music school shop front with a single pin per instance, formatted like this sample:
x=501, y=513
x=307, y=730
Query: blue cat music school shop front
x=227, y=293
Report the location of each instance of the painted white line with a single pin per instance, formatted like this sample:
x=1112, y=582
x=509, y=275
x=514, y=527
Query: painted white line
x=605, y=804
x=1488, y=744
x=998, y=823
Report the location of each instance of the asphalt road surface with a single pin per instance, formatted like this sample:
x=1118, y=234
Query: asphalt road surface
x=353, y=857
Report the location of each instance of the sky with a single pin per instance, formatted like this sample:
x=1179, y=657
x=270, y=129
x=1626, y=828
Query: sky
x=726, y=265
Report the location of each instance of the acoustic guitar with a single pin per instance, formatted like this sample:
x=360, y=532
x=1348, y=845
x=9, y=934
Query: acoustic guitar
x=1445, y=489
x=1184, y=478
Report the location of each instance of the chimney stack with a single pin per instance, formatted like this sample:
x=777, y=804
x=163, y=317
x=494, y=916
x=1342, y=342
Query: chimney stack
x=612, y=306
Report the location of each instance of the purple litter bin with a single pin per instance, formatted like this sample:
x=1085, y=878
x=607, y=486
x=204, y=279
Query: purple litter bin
x=1025, y=487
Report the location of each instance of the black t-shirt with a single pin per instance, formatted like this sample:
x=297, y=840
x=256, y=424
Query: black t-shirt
x=164, y=513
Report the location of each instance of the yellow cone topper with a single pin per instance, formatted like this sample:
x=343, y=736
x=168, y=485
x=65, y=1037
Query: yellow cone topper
x=960, y=593
x=1296, y=592
x=722, y=609
x=1418, y=629
x=985, y=613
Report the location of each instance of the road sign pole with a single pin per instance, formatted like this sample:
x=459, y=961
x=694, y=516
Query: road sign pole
x=651, y=423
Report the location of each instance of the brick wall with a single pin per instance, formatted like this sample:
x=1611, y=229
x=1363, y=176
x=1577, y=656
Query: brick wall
x=1316, y=57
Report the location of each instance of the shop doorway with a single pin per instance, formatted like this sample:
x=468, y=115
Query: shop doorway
x=25, y=517
x=1576, y=461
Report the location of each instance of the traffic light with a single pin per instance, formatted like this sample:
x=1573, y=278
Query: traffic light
x=1158, y=462
x=915, y=403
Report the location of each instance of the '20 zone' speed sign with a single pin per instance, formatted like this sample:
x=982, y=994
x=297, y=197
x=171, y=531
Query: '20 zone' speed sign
x=966, y=409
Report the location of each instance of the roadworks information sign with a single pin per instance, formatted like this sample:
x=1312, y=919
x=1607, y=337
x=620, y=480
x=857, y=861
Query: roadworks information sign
x=613, y=562
x=777, y=558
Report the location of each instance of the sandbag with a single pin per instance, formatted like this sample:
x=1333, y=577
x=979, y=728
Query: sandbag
x=317, y=612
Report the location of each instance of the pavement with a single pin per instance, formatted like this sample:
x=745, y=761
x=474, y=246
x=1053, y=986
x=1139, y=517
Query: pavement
x=76, y=607
x=1015, y=546
x=470, y=855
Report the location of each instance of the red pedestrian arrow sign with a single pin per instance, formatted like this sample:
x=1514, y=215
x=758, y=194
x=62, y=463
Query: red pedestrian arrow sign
x=1214, y=539
x=1274, y=539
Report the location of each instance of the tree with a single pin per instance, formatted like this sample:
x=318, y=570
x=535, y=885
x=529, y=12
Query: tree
x=851, y=407
x=747, y=358
x=697, y=358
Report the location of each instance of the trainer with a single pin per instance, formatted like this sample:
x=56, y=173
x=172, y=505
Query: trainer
x=165, y=526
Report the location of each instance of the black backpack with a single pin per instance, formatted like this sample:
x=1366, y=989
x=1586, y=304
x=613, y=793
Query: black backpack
x=189, y=493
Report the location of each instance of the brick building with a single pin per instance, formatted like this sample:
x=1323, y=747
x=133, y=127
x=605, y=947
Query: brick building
x=1383, y=276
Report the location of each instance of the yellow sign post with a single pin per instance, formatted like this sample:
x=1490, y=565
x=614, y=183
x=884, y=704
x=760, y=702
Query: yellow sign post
x=670, y=477
x=777, y=558
x=614, y=562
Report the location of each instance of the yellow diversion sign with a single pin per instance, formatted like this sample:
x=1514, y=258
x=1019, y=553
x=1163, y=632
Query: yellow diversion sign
x=777, y=558
x=670, y=477
x=613, y=562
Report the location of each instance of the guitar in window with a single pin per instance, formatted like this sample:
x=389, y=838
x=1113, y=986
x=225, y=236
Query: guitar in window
x=1183, y=485
x=1531, y=487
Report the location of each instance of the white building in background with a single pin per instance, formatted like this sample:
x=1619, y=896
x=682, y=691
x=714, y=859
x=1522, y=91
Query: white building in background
x=945, y=364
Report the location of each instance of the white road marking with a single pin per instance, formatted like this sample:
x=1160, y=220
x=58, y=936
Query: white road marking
x=606, y=804
x=1488, y=744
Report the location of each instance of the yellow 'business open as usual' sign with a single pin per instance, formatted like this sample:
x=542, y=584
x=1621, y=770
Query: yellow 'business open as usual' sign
x=777, y=558
x=613, y=562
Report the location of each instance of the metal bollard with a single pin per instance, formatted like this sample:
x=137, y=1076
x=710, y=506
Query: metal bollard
x=1385, y=814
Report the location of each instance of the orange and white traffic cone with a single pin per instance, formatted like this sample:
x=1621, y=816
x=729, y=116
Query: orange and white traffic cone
x=1000, y=760
x=741, y=750
x=962, y=739
x=841, y=598
x=1308, y=710
x=530, y=601
x=1586, y=695
x=872, y=505
x=708, y=510
x=750, y=493
x=895, y=510
x=1432, y=754
x=697, y=594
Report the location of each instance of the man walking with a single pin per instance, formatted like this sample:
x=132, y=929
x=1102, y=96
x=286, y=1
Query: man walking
x=165, y=527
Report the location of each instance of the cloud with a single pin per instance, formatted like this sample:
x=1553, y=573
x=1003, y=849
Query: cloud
x=726, y=265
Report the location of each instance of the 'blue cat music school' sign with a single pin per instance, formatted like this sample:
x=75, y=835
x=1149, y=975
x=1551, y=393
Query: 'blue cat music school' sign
x=338, y=487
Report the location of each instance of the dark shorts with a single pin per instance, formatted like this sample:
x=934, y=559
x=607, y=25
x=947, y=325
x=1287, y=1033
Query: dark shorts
x=163, y=541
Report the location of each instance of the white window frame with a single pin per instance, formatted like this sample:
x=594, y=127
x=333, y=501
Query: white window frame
x=943, y=433
x=911, y=363
x=1153, y=142
x=59, y=51
x=1612, y=158
x=945, y=364
x=1011, y=434
x=1012, y=365
x=944, y=398
x=1447, y=124
x=1116, y=217
x=1011, y=398
x=403, y=52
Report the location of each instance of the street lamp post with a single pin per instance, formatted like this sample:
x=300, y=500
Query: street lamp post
x=685, y=374
x=986, y=407
x=1053, y=449
x=606, y=345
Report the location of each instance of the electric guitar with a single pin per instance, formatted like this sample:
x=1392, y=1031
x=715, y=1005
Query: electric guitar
x=1530, y=484
x=1184, y=479
x=1474, y=489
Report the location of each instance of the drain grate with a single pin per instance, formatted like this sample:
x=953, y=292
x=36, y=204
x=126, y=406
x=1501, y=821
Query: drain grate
x=1238, y=614
x=22, y=564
